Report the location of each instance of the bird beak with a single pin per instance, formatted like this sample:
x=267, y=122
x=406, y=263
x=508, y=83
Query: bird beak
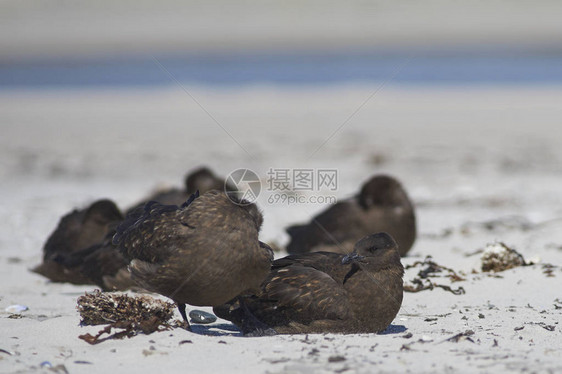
x=351, y=257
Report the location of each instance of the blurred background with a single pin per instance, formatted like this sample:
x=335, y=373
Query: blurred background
x=459, y=100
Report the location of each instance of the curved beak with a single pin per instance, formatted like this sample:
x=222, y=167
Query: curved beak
x=351, y=257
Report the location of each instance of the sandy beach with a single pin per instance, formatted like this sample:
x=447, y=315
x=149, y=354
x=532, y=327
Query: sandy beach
x=481, y=165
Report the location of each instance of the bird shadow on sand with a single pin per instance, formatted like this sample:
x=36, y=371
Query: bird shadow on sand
x=220, y=329
x=393, y=329
x=225, y=329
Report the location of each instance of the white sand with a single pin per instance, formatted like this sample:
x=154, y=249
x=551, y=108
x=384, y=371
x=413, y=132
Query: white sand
x=465, y=155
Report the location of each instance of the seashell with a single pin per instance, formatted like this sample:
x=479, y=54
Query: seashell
x=16, y=309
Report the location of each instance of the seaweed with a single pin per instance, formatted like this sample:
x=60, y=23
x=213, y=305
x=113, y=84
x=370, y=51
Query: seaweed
x=128, y=315
x=431, y=269
x=499, y=257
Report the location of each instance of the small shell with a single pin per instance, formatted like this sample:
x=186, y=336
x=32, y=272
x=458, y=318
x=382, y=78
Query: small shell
x=16, y=309
x=199, y=316
x=426, y=339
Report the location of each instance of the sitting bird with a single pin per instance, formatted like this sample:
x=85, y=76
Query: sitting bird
x=382, y=205
x=203, y=253
x=76, y=231
x=325, y=292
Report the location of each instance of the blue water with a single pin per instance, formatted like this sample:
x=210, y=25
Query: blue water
x=289, y=68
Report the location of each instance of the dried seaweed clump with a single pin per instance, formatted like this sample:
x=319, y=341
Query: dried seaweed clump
x=432, y=269
x=499, y=257
x=120, y=311
x=101, y=308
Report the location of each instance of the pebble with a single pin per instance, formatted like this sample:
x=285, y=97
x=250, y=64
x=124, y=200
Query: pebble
x=199, y=316
x=16, y=308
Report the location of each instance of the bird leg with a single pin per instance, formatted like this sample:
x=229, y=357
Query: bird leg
x=181, y=308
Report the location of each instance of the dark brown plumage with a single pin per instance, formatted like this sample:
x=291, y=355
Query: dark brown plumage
x=102, y=264
x=76, y=231
x=202, y=253
x=382, y=205
x=324, y=292
x=201, y=179
x=78, y=252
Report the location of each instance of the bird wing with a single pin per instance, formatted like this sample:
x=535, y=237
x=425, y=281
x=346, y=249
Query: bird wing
x=301, y=293
x=146, y=233
x=326, y=262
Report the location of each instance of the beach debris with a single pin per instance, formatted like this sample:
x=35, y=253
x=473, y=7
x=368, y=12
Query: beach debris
x=473, y=253
x=99, y=308
x=461, y=336
x=431, y=269
x=55, y=369
x=442, y=234
x=61, y=369
x=420, y=286
x=199, y=316
x=16, y=309
x=336, y=358
x=545, y=326
x=548, y=269
x=128, y=315
x=277, y=360
x=425, y=339
x=503, y=223
x=499, y=257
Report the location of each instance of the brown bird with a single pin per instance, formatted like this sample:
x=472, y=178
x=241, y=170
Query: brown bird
x=201, y=179
x=325, y=292
x=101, y=264
x=382, y=205
x=76, y=231
x=202, y=253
